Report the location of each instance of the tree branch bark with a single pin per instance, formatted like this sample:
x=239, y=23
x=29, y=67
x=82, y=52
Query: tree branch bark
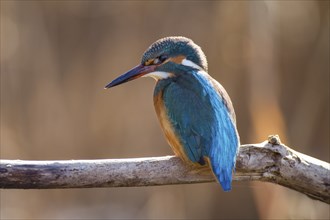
x=269, y=161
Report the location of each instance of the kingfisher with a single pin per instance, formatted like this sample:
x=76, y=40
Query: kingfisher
x=194, y=110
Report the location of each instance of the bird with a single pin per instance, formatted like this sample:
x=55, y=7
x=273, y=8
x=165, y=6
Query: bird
x=195, y=112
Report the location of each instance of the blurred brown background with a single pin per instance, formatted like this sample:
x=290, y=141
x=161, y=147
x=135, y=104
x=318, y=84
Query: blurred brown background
x=56, y=57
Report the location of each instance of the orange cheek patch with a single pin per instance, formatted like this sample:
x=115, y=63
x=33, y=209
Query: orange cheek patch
x=148, y=62
x=177, y=59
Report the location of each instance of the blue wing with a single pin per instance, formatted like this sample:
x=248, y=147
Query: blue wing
x=202, y=117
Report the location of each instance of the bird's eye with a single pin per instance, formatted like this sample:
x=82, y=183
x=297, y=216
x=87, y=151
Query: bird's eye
x=160, y=59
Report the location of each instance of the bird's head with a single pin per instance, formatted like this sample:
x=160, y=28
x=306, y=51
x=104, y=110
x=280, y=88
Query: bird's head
x=167, y=57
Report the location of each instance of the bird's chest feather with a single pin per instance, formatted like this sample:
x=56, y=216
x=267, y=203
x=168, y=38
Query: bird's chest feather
x=167, y=126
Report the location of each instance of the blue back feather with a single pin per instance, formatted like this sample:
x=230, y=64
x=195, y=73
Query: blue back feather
x=204, y=121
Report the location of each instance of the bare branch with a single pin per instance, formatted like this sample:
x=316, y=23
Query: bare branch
x=268, y=162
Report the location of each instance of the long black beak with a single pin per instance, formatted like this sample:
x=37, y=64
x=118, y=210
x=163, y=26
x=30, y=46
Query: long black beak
x=134, y=73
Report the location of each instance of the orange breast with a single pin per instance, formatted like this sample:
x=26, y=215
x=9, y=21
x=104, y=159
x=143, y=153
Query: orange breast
x=171, y=137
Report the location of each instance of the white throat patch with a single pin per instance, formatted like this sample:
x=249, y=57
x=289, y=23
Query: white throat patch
x=157, y=75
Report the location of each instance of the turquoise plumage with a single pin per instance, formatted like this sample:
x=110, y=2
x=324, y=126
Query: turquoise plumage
x=194, y=110
x=202, y=122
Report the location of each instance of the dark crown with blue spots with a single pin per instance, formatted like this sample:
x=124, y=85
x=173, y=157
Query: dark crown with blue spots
x=176, y=46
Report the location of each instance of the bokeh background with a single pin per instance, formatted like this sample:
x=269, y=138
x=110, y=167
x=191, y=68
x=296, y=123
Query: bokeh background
x=56, y=57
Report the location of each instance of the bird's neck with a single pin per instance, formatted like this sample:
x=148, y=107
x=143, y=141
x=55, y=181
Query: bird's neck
x=162, y=84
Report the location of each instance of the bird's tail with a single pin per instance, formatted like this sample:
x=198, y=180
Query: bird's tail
x=223, y=164
x=223, y=175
